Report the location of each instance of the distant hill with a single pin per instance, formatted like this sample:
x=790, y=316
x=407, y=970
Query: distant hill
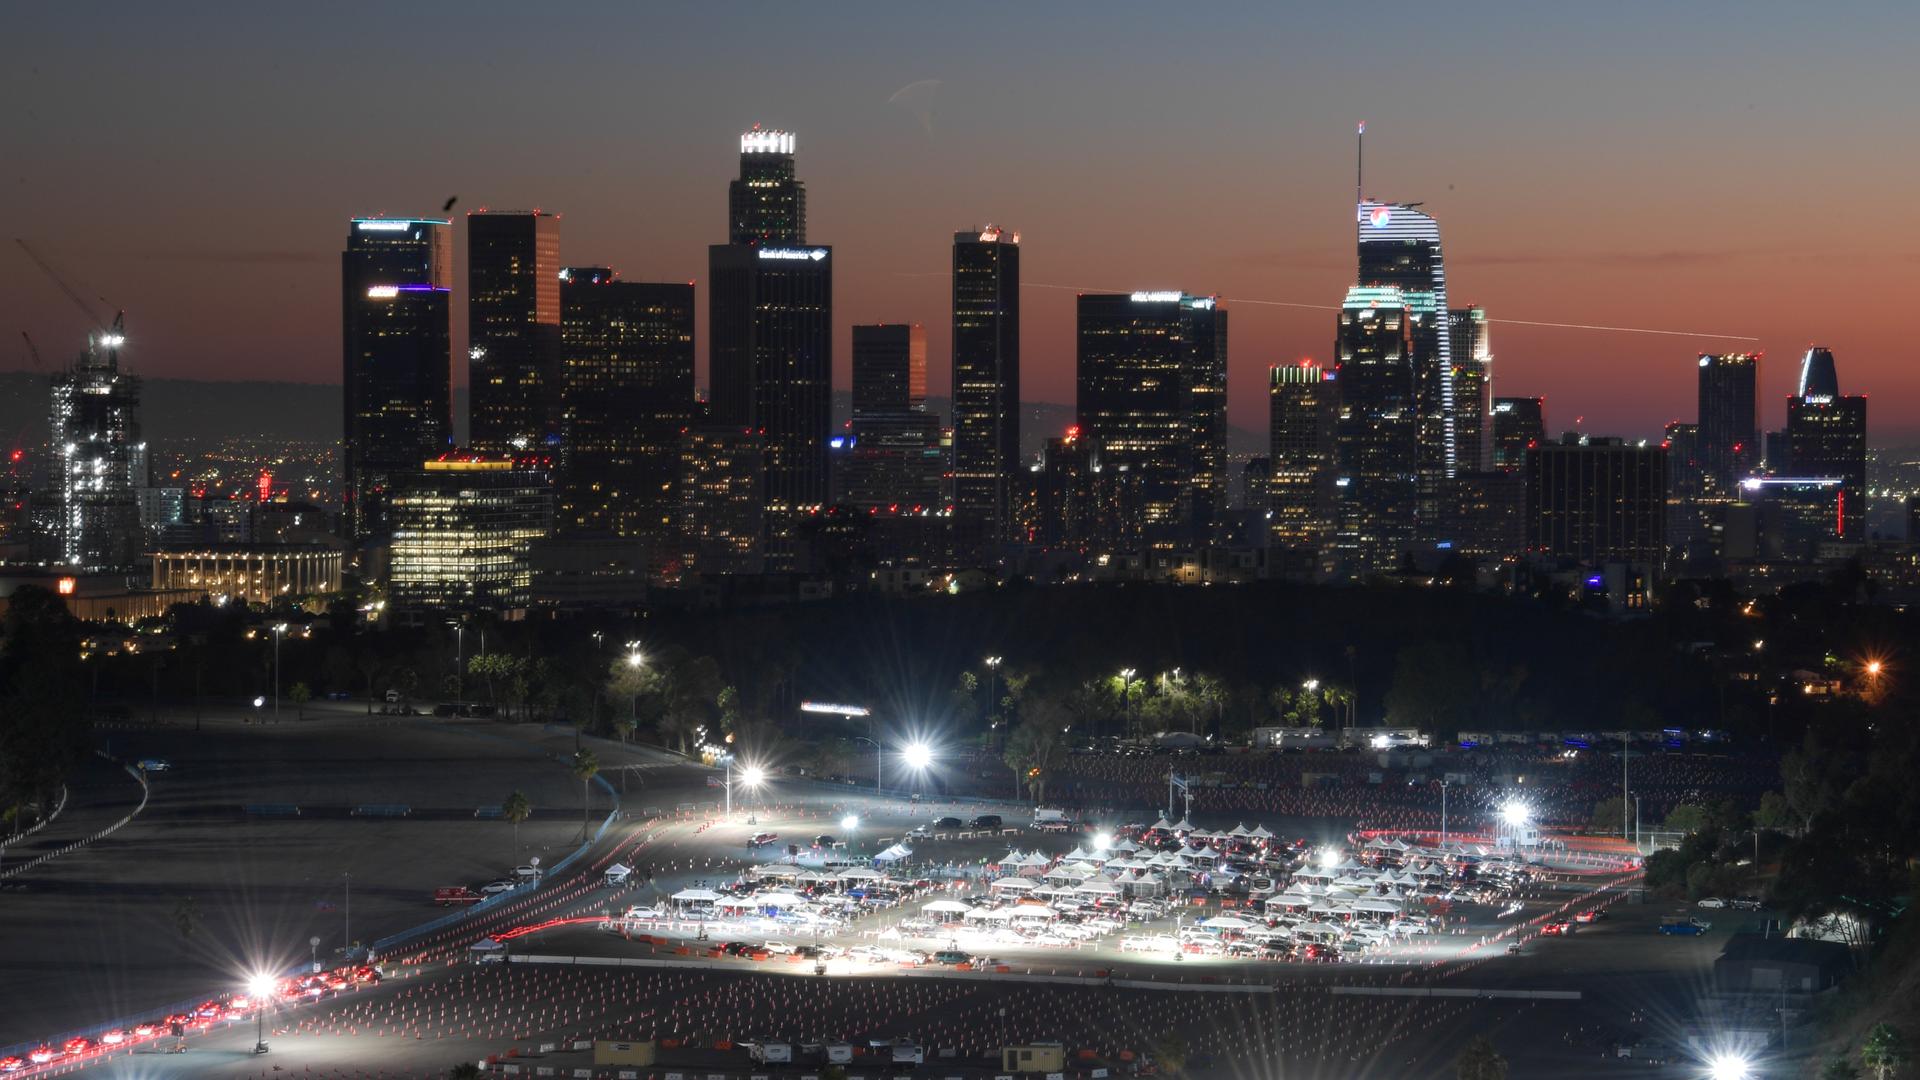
x=177, y=410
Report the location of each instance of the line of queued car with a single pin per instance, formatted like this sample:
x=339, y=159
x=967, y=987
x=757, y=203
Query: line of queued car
x=200, y=1018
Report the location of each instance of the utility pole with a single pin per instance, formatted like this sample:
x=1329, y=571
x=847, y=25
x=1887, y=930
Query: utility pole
x=1625, y=742
x=1443, y=813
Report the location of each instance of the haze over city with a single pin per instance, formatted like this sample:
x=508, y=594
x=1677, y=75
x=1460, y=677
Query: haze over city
x=1649, y=166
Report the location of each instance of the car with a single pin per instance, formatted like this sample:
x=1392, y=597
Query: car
x=1514, y=948
x=951, y=956
x=1590, y=915
x=871, y=954
x=1711, y=902
x=762, y=839
x=648, y=911
x=114, y=1037
x=1746, y=903
x=148, y=1030
x=824, y=841
x=986, y=821
x=777, y=948
x=42, y=1054
x=12, y=1064
x=526, y=873
x=79, y=1044
x=1683, y=928
x=494, y=888
x=155, y=764
x=1559, y=929
x=949, y=823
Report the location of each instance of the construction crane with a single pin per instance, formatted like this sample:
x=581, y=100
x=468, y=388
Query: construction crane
x=33, y=352
x=99, y=322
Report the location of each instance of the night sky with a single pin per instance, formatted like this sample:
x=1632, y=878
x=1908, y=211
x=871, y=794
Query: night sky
x=1709, y=168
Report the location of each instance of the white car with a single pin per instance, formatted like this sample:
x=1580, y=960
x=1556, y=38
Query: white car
x=647, y=912
x=526, y=873
x=871, y=954
x=494, y=888
x=778, y=948
x=1711, y=902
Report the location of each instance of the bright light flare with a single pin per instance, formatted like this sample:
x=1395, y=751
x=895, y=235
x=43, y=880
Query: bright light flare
x=260, y=987
x=1103, y=842
x=1729, y=1067
x=1874, y=667
x=850, y=822
x=1516, y=814
x=753, y=776
x=1329, y=857
x=918, y=755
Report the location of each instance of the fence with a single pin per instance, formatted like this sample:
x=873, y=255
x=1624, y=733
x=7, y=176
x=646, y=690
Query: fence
x=59, y=805
x=101, y=835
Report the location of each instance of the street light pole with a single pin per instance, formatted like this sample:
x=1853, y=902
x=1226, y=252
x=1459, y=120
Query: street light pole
x=1126, y=696
x=278, y=630
x=459, y=662
x=347, y=913
x=1443, y=813
x=1626, y=742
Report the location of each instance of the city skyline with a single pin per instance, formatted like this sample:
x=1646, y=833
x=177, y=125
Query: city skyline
x=899, y=155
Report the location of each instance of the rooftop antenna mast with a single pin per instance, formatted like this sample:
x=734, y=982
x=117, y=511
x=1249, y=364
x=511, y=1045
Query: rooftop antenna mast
x=1359, y=163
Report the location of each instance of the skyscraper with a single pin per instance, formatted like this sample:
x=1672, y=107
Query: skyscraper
x=463, y=533
x=895, y=460
x=986, y=376
x=99, y=461
x=1376, y=435
x=627, y=392
x=1598, y=500
x=1301, y=413
x=1151, y=380
x=1827, y=434
x=770, y=328
x=766, y=205
x=722, y=500
x=513, y=331
x=1472, y=389
x=1729, y=432
x=1399, y=247
x=397, y=364
x=1518, y=423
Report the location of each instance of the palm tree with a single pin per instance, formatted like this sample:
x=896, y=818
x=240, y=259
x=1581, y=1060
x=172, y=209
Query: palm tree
x=516, y=809
x=1884, y=1051
x=585, y=766
x=300, y=695
x=1480, y=1061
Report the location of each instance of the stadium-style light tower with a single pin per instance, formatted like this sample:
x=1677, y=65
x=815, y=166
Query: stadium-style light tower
x=1730, y=1066
x=751, y=777
x=260, y=987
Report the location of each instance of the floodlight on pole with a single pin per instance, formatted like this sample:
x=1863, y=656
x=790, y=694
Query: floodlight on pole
x=1329, y=857
x=1103, y=842
x=753, y=776
x=1516, y=814
x=918, y=755
x=260, y=987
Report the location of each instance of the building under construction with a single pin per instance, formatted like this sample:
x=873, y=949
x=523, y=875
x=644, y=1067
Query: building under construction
x=97, y=461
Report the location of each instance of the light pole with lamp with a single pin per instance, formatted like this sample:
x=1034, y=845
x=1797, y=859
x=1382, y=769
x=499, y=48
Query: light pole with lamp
x=1126, y=696
x=260, y=987
x=919, y=758
x=752, y=776
x=1443, y=813
x=876, y=759
x=993, y=680
x=847, y=825
x=459, y=661
x=279, y=629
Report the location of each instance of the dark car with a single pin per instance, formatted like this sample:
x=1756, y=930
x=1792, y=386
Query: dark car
x=824, y=841
x=948, y=823
x=987, y=821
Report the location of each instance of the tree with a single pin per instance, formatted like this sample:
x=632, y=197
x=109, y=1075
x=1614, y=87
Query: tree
x=1884, y=1051
x=1774, y=813
x=300, y=695
x=1687, y=818
x=1434, y=682
x=1838, y=1067
x=626, y=679
x=516, y=809
x=1480, y=1061
x=1170, y=1054
x=186, y=916
x=371, y=664
x=586, y=766
x=1608, y=814
x=962, y=700
x=1034, y=748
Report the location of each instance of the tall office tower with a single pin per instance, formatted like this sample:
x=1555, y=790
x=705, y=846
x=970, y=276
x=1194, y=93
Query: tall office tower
x=766, y=205
x=1072, y=499
x=1376, y=433
x=722, y=500
x=1598, y=500
x=1827, y=433
x=1151, y=381
x=770, y=319
x=1518, y=423
x=1692, y=518
x=1729, y=433
x=1301, y=413
x=986, y=377
x=98, y=461
x=397, y=361
x=513, y=331
x=1399, y=247
x=895, y=460
x=1472, y=389
x=463, y=533
x=626, y=390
